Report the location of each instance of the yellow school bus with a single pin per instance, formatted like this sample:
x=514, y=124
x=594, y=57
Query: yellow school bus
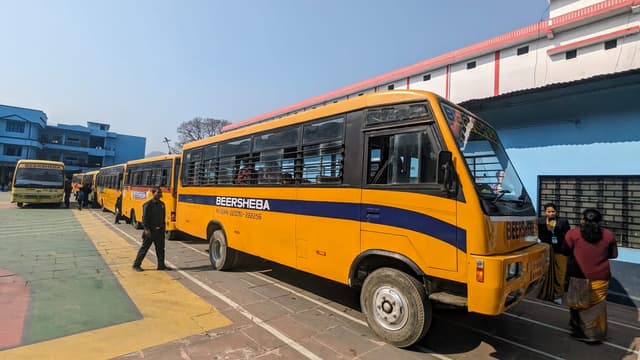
x=377, y=192
x=87, y=180
x=141, y=176
x=109, y=186
x=37, y=182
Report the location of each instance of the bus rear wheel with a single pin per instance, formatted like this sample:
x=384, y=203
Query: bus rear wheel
x=171, y=234
x=222, y=257
x=396, y=306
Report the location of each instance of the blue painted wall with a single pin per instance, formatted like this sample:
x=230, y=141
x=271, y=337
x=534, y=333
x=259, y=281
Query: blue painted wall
x=597, y=145
x=128, y=148
x=33, y=120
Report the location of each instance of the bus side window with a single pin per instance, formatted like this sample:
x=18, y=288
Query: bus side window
x=164, y=177
x=378, y=160
x=406, y=158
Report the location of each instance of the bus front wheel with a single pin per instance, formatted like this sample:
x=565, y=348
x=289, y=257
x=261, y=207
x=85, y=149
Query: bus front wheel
x=221, y=255
x=396, y=306
x=20, y=204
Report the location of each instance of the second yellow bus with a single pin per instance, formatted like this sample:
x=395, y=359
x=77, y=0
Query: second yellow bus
x=141, y=176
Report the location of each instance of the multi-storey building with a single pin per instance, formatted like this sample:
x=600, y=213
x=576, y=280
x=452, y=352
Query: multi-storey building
x=24, y=134
x=89, y=147
x=20, y=130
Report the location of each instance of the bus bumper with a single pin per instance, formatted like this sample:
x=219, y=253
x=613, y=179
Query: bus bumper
x=505, y=279
x=40, y=198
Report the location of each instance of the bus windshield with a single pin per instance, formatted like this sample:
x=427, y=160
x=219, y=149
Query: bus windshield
x=496, y=180
x=39, y=178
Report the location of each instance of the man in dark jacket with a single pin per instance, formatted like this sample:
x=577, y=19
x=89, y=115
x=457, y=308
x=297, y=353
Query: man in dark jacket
x=153, y=221
x=552, y=230
x=67, y=191
x=118, y=209
x=86, y=188
x=80, y=195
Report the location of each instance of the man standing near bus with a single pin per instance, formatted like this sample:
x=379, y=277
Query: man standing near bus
x=67, y=191
x=552, y=230
x=118, y=210
x=153, y=221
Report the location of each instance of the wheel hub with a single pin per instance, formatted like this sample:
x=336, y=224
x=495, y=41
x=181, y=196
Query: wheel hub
x=390, y=308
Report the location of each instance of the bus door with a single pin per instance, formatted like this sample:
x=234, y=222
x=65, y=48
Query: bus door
x=404, y=211
x=327, y=227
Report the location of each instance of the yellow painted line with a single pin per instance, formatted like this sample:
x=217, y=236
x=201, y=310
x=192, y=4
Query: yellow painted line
x=170, y=311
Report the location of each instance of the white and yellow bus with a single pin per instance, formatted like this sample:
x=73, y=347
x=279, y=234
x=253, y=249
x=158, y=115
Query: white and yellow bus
x=109, y=186
x=141, y=176
x=37, y=182
x=378, y=192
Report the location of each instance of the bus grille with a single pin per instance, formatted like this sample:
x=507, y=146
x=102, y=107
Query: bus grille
x=520, y=229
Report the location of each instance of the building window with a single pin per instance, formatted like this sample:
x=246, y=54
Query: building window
x=471, y=65
x=15, y=126
x=390, y=87
x=611, y=44
x=13, y=150
x=571, y=54
x=523, y=50
x=426, y=77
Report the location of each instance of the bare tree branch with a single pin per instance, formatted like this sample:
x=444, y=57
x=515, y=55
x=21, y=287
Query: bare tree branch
x=196, y=129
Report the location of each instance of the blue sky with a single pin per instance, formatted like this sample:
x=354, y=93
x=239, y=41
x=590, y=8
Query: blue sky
x=145, y=66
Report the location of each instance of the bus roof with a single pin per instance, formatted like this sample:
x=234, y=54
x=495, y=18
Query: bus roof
x=112, y=166
x=340, y=107
x=153, y=158
x=33, y=161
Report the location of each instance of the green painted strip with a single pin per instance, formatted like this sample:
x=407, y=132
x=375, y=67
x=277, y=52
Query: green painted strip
x=73, y=289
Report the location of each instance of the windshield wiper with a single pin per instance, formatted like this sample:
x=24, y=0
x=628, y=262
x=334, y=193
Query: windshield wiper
x=500, y=195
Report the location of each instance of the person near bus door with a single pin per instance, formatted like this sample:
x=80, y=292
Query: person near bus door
x=67, y=191
x=552, y=230
x=87, y=192
x=153, y=217
x=118, y=209
x=80, y=195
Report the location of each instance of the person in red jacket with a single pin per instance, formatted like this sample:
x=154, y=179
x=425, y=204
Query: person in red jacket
x=589, y=248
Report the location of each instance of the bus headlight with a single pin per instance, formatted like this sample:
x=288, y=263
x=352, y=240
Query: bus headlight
x=514, y=270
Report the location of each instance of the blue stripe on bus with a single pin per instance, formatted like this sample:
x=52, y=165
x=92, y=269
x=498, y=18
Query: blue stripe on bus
x=385, y=215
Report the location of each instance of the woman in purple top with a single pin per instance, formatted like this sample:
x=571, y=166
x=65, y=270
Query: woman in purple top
x=589, y=248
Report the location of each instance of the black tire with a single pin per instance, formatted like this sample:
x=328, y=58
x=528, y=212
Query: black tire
x=20, y=204
x=171, y=235
x=396, y=306
x=222, y=257
x=104, y=209
x=134, y=222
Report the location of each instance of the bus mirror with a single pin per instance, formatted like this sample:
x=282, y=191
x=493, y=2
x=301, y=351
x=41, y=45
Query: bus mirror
x=446, y=174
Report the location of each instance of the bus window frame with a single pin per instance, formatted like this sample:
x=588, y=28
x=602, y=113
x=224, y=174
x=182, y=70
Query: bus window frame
x=433, y=135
